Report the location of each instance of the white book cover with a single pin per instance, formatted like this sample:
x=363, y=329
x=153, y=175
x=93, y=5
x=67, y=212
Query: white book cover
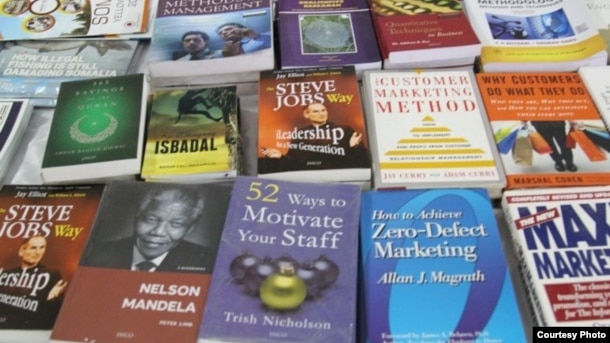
x=561, y=241
x=538, y=33
x=428, y=128
x=600, y=12
x=597, y=82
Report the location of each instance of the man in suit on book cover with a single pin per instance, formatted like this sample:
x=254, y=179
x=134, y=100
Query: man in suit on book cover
x=196, y=48
x=39, y=289
x=340, y=146
x=165, y=216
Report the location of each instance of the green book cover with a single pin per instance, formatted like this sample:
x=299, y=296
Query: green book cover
x=96, y=120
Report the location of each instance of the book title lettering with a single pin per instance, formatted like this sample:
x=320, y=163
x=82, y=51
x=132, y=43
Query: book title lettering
x=38, y=65
x=293, y=94
x=164, y=305
x=516, y=4
x=568, y=240
x=424, y=94
x=31, y=280
x=328, y=238
x=24, y=221
x=385, y=235
x=187, y=7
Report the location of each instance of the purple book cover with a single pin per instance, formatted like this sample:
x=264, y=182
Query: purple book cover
x=287, y=264
x=326, y=36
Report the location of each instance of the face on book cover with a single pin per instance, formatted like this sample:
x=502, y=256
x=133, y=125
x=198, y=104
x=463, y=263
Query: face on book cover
x=162, y=225
x=316, y=113
x=32, y=251
x=194, y=42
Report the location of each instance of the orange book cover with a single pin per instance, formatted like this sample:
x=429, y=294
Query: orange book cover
x=522, y=107
x=311, y=125
x=43, y=231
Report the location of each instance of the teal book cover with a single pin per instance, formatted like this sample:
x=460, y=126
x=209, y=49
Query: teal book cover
x=434, y=269
x=97, y=120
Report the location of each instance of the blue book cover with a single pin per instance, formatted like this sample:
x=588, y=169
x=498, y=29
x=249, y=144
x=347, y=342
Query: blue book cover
x=434, y=268
x=287, y=264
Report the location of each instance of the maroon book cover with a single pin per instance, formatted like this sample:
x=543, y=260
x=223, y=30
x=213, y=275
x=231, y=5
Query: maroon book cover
x=144, y=274
x=405, y=27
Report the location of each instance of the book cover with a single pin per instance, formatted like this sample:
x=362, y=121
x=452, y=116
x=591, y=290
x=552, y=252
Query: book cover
x=428, y=128
x=43, y=231
x=561, y=244
x=146, y=268
x=315, y=34
x=539, y=120
x=97, y=129
x=424, y=34
x=518, y=35
x=595, y=79
x=202, y=43
x=193, y=133
x=25, y=19
x=599, y=11
x=14, y=118
x=287, y=264
x=434, y=268
x=35, y=68
x=311, y=125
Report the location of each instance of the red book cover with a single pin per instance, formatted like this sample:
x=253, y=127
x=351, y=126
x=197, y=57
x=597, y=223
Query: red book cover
x=43, y=231
x=145, y=272
x=420, y=33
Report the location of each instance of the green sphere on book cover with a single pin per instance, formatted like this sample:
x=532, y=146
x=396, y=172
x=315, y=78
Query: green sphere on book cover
x=95, y=120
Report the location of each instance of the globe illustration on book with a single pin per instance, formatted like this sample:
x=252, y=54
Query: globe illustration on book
x=93, y=128
x=328, y=33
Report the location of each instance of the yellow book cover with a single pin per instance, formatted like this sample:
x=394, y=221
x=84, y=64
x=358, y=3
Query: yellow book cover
x=192, y=135
x=554, y=35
